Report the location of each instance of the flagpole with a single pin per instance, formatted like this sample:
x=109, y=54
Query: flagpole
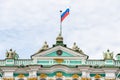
x=60, y=23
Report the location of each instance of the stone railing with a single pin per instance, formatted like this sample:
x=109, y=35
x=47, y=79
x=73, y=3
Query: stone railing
x=95, y=62
x=23, y=62
x=117, y=63
x=2, y=62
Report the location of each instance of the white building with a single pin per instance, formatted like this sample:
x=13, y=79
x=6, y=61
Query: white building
x=60, y=63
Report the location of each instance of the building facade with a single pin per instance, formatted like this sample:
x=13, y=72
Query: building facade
x=59, y=62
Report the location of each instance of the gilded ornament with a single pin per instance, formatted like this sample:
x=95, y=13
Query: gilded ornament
x=43, y=75
x=75, y=76
x=59, y=74
x=21, y=76
x=59, y=60
x=97, y=76
x=32, y=78
x=108, y=55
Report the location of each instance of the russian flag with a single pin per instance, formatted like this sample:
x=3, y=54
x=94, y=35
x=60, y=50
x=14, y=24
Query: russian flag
x=65, y=14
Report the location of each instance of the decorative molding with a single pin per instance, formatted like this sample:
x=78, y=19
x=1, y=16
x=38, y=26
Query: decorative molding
x=43, y=75
x=20, y=76
x=75, y=54
x=59, y=74
x=75, y=76
x=59, y=60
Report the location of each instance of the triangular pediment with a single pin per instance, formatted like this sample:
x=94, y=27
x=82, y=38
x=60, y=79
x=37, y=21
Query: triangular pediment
x=53, y=52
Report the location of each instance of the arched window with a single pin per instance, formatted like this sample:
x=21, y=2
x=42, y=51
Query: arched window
x=97, y=79
x=42, y=79
x=58, y=79
x=75, y=79
x=21, y=79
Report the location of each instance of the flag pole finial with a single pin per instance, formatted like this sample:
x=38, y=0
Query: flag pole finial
x=60, y=10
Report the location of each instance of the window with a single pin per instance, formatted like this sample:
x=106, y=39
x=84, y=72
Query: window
x=43, y=79
x=58, y=79
x=97, y=79
x=75, y=79
x=20, y=79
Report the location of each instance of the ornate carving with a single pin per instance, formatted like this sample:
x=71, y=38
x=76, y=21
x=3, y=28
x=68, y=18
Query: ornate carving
x=75, y=76
x=108, y=55
x=11, y=54
x=8, y=78
x=44, y=47
x=43, y=75
x=75, y=47
x=97, y=76
x=59, y=74
x=59, y=60
x=33, y=78
x=21, y=76
x=59, y=52
x=59, y=38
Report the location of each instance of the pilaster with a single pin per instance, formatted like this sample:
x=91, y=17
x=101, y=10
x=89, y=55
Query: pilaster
x=8, y=72
x=33, y=71
x=85, y=72
x=110, y=73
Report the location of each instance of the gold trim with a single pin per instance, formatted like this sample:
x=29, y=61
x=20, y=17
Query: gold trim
x=75, y=76
x=21, y=76
x=59, y=74
x=8, y=78
x=85, y=79
x=43, y=75
x=59, y=60
x=97, y=76
x=32, y=78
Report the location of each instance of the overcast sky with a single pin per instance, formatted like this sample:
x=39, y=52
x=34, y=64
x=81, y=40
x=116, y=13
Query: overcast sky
x=93, y=24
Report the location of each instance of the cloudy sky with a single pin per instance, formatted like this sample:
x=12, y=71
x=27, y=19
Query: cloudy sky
x=93, y=24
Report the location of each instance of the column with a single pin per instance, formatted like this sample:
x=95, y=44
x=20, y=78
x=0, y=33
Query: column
x=110, y=73
x=8, y=72
x=85, y=75
x=85, y=72
x=88, y=75
x=33, y=71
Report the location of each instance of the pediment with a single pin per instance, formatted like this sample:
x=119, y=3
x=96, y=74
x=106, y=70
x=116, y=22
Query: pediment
x=52, y=52
x=55, y=54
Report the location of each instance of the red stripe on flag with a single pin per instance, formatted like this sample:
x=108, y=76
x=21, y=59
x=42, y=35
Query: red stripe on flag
x=64, y=16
